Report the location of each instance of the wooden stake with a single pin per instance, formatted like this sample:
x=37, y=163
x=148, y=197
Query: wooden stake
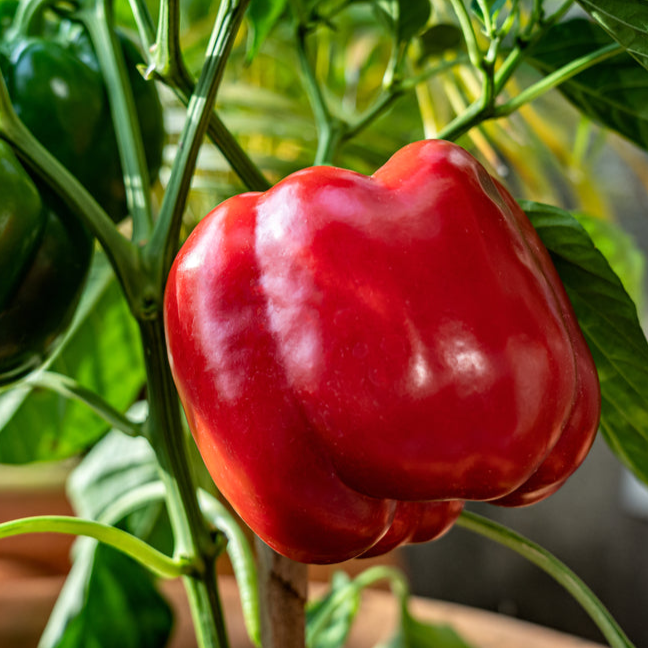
x=283, y=587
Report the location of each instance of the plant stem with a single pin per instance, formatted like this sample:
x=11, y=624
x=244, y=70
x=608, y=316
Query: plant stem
x=330, y=131
x=133, y=500
x=154, y=560
x=226, y=143
x=556, y=78
x=168, y=65
x=97, y=18
x=191, y=534
x=552, y=566
x=69, y=388
x=160, y=251
x=472, y=116
x=465, y=22
x=529, y=36
x=242, y=559
x=477, y=112
x=144, y=22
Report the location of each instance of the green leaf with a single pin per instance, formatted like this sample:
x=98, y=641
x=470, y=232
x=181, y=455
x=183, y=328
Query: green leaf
x=406, y=18
x=622, y=253
x=114, y=468
x=626, y=21
x=439, y=39
x=242, y=559
x=608, y=319
x=613, y=93
x=107, y=601
x=338, y=621
x=262, y=16
x=493, y=7
x=416, y=634
x=102, y=352
x=413, y=16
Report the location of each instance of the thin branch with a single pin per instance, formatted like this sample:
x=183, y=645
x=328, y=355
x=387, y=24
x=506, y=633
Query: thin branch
x=557, y=77
x=551, y=565
x=69, y=388
x=154, y=560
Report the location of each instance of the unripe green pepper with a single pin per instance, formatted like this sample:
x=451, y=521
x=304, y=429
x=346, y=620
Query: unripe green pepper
x=57, y=90
x=45, y=254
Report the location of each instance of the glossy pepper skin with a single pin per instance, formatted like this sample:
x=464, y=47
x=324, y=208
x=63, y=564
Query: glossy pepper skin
x=58, y=92
x=359, y=355
x=45, y=254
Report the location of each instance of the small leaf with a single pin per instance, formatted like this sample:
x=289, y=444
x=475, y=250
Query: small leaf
x=413, y=16
x=102, y=352
x=405, y=18
x=338, y=614
x=242, y=560
x=439, y=39
x=622, y=253
x=626, y=21
x=613, y=93
x=108, y=600
x=262, y=16
x=493, y=7
x=608, y=319
x=412, y=633
x=424, y=635
x=115, y=466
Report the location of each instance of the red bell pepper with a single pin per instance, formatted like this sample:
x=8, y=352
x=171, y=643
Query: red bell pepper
x=358, y=355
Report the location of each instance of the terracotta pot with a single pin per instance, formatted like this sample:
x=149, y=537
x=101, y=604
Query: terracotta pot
x=25, y=604
x=33, y=568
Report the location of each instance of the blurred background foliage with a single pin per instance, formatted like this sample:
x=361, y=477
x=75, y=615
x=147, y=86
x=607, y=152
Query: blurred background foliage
x=546, y=152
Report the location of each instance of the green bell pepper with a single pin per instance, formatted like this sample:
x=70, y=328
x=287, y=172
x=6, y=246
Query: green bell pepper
x=45, y=253
x=57, y=90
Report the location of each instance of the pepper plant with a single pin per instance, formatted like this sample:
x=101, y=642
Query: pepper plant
x=352, y=377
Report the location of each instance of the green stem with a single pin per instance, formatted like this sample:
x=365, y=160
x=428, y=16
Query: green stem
x=26, y=18
x=191, y=533
x=161, y=250
x=435, y=70
x=71, y=389
x=121, y=253
x=330, y=131
x=556, y=16
x=167, y=51
x=465, y=22
x=556, y=78
x=97, y=18
x=169, y=66
x=330, y=136
x=227, y=144
x=552, y=566
x=525, y=40
x=475, y=114
x=144, y=22
x=154, y=560
x=486, y=14
x=132, y=501
x=383, y=103
x=242, y=559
